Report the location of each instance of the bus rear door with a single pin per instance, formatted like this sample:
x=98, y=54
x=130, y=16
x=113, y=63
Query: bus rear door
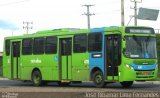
x=15, y=59
x=65, y=53
x=112, y=56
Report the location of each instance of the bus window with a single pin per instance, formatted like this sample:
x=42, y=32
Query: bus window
x=66, y=46
x=80, y=43
x=51, y=45
x=7, y=47
x=95, y=42
x=27, y=46
x=16, y=49
x=38, y=47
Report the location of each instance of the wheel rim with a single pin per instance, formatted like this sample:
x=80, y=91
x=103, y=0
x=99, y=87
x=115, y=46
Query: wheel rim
x=36, y=79
x=98, y=79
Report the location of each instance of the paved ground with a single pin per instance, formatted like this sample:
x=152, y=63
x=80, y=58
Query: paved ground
x=19, y=89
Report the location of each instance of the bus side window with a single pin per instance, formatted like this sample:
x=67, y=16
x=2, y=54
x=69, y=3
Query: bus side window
x=51, y=45
x=27, y=46
x=95, y=42
x=38, y=46
x=80, y=43
x=7, y=47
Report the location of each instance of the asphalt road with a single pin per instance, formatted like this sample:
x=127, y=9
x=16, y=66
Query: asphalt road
x=19, y=89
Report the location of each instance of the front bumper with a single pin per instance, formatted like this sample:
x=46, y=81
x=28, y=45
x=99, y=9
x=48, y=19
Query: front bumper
x=137, y=75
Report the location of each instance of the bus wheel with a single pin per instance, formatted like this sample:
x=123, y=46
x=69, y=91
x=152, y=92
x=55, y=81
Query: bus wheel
x=37, y=78
x=98, y=79
x=127, y=84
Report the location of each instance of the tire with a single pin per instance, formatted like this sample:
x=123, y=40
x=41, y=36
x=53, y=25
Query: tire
x=98, y=79
x=37, y=78
x=126, y=84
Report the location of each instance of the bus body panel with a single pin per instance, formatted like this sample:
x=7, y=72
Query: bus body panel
x=80, y=67
x=65, y=64
x=47, y=64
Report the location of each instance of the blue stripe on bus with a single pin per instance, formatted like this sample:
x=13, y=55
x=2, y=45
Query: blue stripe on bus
x=95, y=30
x=144, y=67
x=97, y=61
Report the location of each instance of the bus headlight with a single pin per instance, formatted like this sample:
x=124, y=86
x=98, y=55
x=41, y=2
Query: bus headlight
x=127, y=65
x=130, y=67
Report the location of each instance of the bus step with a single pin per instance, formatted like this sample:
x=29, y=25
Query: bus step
x=65, y=81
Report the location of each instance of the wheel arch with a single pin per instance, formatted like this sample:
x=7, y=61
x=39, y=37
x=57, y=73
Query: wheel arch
x=93, y=71
x=35, y=69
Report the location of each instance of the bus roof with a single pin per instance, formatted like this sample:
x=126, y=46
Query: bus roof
x=55, y=32
x=72, y=31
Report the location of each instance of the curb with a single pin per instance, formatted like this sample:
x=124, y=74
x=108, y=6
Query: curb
x=149, y=82
x=3, y=79
x=153, y=82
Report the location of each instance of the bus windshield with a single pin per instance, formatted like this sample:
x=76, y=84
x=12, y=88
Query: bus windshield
x=140, y=47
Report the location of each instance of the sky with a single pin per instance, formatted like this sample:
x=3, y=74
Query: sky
x=54, y=14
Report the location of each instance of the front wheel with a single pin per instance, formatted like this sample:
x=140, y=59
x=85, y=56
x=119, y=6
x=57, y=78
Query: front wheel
x=127, y=84
x=98, y=79
x=37, y=78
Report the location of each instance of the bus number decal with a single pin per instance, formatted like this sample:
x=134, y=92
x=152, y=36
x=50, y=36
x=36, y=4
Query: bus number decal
x=139, y=67
x=56, y=58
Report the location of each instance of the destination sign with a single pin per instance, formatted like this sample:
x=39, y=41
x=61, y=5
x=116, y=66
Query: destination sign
x=138, y=30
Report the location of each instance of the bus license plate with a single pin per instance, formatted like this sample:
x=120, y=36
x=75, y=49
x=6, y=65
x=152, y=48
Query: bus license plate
x=145, y=73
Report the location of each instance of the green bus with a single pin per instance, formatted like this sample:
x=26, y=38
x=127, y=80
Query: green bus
x=102, y=55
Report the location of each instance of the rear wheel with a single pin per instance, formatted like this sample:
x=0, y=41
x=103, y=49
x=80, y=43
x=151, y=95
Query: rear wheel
x=126, y=84
x=37, y=78
x=98, y=79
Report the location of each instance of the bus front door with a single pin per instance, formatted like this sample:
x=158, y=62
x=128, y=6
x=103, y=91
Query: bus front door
x=65, y=58
x=112, y=55
x=15, y=60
